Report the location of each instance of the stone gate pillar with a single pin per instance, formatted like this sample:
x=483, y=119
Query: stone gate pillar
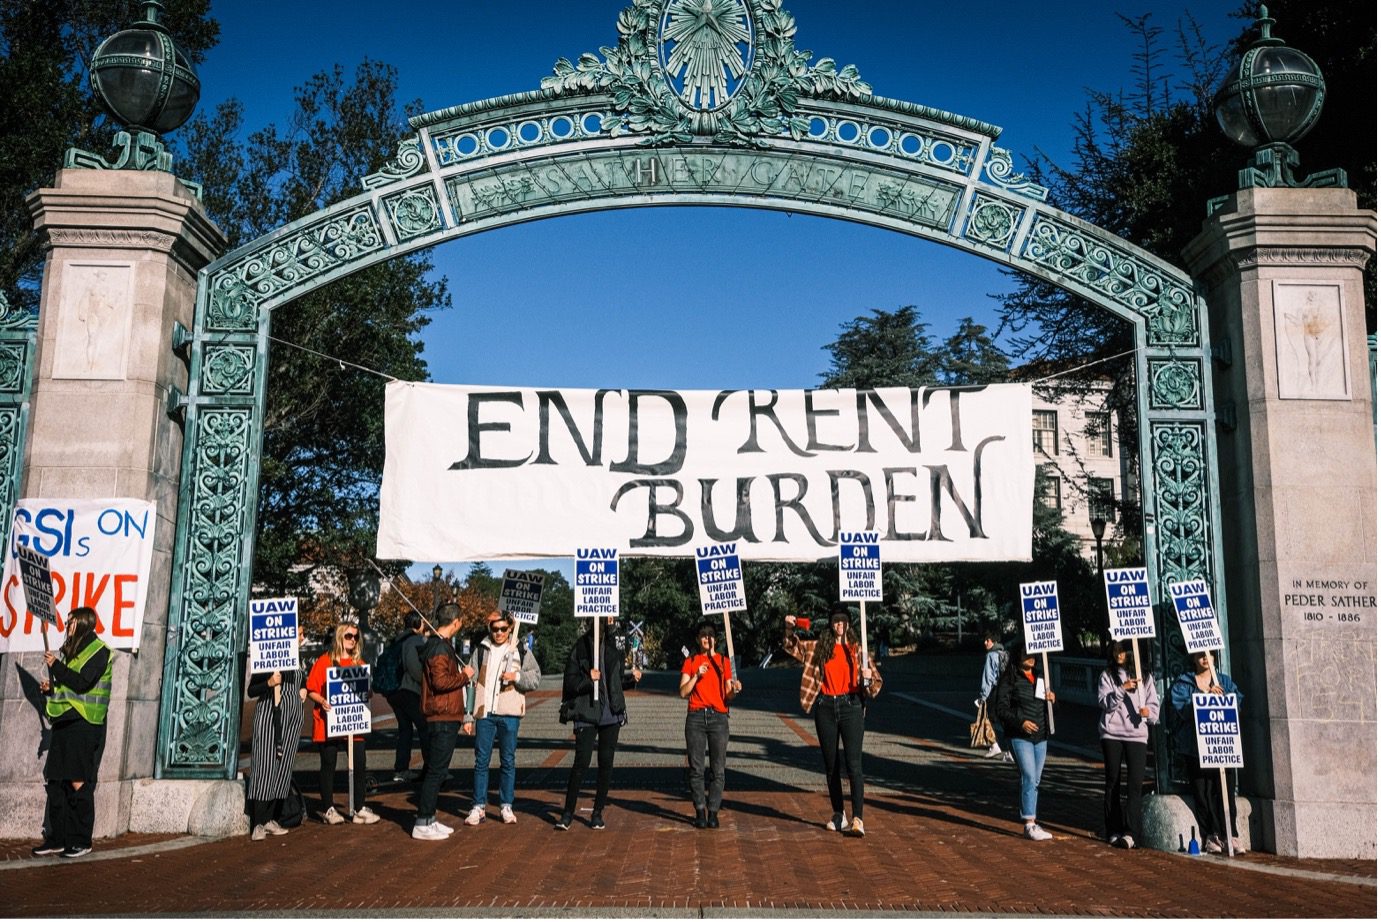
x=1281, y=269
x=133, y=242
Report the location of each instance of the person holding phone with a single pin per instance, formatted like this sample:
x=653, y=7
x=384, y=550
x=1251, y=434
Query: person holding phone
x=1020, y=703
x=835, y=685
x=278, y=698
x=345, y=651
x=708, y=685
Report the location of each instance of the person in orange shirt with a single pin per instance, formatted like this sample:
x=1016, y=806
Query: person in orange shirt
x=708, y=685
x=835, y=684
x=344, y=652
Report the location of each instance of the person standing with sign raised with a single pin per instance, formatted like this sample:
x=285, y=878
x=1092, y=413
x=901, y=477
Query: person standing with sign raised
x=78, y=690
x=278, y=694
x=1021, y=701
x=834, y=684
x=503, y=676
x=345, y=651
x=1127, y=708
x=708, y=685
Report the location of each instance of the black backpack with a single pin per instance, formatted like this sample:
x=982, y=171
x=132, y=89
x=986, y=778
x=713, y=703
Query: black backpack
x=388, y=669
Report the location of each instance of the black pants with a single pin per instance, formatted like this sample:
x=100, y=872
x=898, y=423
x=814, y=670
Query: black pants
x=329, y=751
x=585, y=738
x=1207, y=789
x=1117, y=819
x=839, y=719
x=707, y=730
x=71, y=813
x=261, y=811
x=407, y=707
x=441, y=745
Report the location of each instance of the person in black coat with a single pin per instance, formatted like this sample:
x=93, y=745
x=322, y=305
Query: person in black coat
x=1020, y=703
x=594, y=721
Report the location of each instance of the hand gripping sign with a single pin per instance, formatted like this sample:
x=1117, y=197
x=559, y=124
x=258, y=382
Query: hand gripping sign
x=272, y=635
x=521, y=595
x=1194, y=609
x=1129, y=603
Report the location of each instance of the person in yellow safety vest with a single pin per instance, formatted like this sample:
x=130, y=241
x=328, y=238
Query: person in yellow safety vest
x=78, y=693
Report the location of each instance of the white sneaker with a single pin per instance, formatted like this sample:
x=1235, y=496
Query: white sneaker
x=506, y=812
x=475, y=816
x=1239, y=846
x=258, y=835
x=444, y=828
x=1036, y=834
x=1214, y=845
x=429, y=831
x=365, y=816
x=273, y=829
x=855, y=828
x=838, y=823
x=331, y=817
x=993, y=751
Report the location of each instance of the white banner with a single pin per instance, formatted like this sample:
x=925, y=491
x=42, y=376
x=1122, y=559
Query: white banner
x=99, y=551
x=477, y=473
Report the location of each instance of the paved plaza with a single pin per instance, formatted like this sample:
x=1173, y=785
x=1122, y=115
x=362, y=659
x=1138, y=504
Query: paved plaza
x=942, y=834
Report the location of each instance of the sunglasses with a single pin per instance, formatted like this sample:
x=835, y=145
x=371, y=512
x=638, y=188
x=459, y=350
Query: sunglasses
x=350, y=636
x=498, y=629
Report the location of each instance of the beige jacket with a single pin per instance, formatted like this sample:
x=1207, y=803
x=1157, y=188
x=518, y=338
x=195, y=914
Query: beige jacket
x=496, y=698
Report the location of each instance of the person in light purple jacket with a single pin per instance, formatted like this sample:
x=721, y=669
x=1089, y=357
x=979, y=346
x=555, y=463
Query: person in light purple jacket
x=1127, y=710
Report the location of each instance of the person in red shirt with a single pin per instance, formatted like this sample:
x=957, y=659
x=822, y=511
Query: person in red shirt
x=344, y=652
x=834, y=684
x=708, y=685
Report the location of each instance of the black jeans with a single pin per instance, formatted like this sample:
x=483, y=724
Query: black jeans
x=585, y=738
x=839, y=718
x=1207, y=789
x=1117, y=819
x=441, y=745
x=407, y=707
x=329, y=751
x=71, y=813
x=707, y=729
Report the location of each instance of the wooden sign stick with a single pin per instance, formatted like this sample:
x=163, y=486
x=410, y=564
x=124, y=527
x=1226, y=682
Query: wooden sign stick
x=1049, y=707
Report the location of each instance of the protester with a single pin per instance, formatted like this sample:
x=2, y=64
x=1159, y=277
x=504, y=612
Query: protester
x=1128, y=707
x=345, y=651
x=403, y=690
x=1204, y=783
x=836, y=684
x=708, y=685
x=503, y=676
x=443, y=703
x=78, y=690
x=278, y=698
x=994, y=661
x=594, y=721
x=1020, y=704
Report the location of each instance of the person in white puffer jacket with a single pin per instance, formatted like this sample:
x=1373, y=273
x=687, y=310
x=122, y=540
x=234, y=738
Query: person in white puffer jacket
x=503, y=675
x=1127, y=709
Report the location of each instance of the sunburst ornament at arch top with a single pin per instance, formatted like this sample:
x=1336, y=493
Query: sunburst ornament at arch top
x=706, y=50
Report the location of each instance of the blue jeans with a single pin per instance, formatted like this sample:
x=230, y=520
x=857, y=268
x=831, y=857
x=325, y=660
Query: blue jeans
x=1030, y=759
x=506, y=728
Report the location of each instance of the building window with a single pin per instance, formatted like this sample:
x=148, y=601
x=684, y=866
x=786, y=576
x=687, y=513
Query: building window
x=1048, y=491
x=1101, y=500
x=1044, y=431
x=1100, y=435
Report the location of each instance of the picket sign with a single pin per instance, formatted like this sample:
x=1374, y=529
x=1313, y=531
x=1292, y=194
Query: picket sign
x=37, y=577
x=860, y=578
x=521, y=596
x=719, y=572
x=1127, y=591
x=1210, y=710
x=1040, y=609
x=596, y=590
x=1198, y=621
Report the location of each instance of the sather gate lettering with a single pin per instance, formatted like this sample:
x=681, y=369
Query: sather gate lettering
x=636, y=126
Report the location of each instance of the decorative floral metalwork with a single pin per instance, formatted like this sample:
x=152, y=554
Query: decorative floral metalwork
x=415, y=213
x=228, y=370
x=238, y=290
x=1181, y=500
x=11, y=458
x=705, y=47
x=999, y=170
x=407, y=162
x=992, y=222
x=1091, y=262
x=200, y=681
x=18, y=328
x=1176, y=385
x=764, y=105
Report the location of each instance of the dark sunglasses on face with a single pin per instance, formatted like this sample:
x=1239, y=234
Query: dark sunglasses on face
x=498, y=628
x=350, y=636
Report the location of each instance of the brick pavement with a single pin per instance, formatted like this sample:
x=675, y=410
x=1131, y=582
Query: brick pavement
x=942, y=837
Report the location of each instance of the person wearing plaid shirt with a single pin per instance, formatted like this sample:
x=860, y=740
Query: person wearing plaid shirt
x=835, y=685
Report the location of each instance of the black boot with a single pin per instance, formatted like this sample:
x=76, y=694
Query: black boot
x=700, y=821
x=713, y=819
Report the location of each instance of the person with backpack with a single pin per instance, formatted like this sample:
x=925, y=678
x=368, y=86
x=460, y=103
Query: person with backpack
x=503, y=675
x=836, y=684
x=443, y=703
x=1019, y=701
x=994, y=662
x=594, y=720
x=397, y=675
x=278, y=698
x=1127, y=708
x=708, y=685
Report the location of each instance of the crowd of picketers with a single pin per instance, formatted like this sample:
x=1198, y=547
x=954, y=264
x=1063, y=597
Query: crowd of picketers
x=441, y=694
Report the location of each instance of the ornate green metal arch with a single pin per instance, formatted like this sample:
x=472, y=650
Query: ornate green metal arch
x=767, y=129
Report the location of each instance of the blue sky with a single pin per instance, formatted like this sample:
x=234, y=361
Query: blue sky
x=695, y=298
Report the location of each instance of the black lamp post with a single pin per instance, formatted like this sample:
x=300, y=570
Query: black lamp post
x=436, y=587
x=1099, y=526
